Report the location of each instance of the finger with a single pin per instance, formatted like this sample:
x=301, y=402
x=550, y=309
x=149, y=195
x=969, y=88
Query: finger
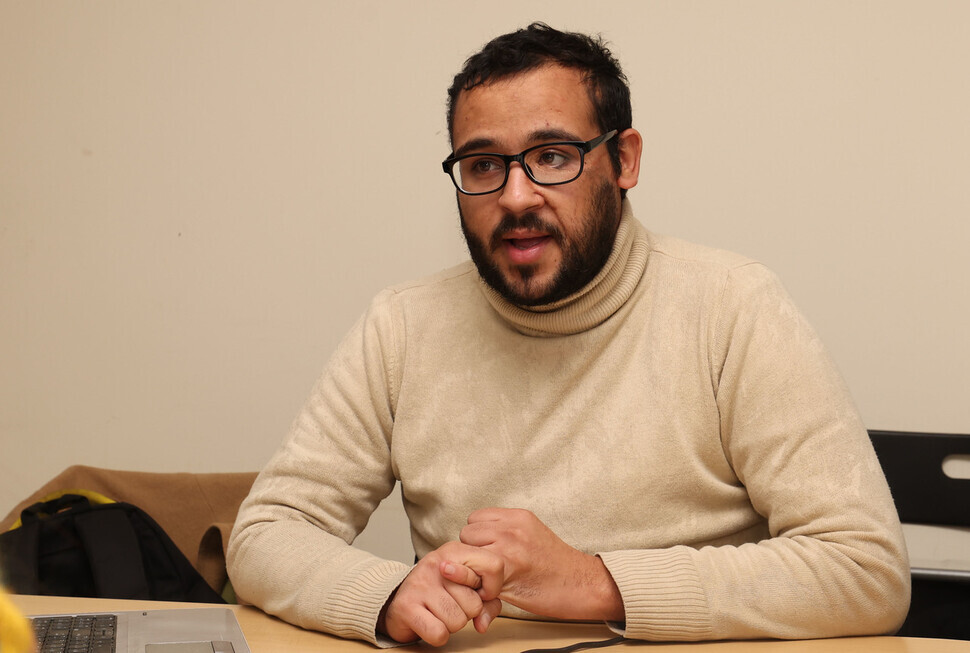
x=465, y=598
x=450, y=613
x=431, y=629
x=490, y=610
x=480, y=533
x=460, y=574
x=400, y=633
x=489, y=567
x=408, y=623
x=487, y=514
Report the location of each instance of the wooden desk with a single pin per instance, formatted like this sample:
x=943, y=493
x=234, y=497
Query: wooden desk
x=267, y=634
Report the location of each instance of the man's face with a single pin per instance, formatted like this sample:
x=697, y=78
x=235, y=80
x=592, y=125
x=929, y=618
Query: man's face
x=536, y=244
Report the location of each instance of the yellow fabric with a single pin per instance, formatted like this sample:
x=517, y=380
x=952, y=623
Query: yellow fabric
x=15, y=633
x=92, y=496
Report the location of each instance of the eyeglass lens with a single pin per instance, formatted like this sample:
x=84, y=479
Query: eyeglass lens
x=551, y=164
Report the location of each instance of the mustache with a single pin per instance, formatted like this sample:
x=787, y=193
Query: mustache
x=530, y=221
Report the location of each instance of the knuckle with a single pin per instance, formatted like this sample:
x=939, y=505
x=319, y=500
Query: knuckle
x=430, y=629
x=452, y=613
x=474, y=580
x=494, y=566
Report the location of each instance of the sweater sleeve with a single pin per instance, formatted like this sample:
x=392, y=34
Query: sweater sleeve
x=835, y=563
x=290, y=551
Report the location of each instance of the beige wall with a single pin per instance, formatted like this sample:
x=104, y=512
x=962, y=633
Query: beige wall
x=197, y=199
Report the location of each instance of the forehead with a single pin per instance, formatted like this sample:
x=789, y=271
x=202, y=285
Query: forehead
x=510, y=112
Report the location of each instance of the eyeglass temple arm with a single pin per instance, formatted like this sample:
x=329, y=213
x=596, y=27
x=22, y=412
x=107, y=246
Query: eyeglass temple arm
x=599, y=139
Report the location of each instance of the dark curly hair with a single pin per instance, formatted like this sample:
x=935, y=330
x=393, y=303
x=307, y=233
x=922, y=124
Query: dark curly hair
x=537, y=45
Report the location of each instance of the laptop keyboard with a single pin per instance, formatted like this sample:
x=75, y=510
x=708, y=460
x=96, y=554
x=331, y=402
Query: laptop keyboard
x=86, y=633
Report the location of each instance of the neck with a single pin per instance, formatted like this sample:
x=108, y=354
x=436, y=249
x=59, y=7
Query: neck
x=595, y=302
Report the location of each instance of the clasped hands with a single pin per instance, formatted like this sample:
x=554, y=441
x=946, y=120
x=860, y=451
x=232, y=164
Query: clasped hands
x=501, y=555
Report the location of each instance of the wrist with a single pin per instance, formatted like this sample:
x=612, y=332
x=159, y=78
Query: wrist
x=381, y=627
x=605, y=597
x=589, y=592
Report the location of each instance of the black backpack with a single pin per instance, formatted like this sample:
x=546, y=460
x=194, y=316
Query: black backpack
x=69, y=546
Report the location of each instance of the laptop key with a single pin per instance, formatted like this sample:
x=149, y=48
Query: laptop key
x=79, y=634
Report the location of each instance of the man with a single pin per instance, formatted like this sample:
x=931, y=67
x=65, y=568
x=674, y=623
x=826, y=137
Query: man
x=591, y=422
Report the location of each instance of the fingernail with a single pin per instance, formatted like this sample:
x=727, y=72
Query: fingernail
x=449, y=568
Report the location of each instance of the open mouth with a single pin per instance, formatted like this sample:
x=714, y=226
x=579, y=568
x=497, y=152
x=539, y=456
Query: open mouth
x=526, y=243
x=526, y=250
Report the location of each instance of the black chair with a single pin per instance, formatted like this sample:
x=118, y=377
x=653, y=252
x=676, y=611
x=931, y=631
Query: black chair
x=924, y=494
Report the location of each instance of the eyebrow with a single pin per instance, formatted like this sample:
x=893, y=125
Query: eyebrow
x=536, y=137
x=475, y=144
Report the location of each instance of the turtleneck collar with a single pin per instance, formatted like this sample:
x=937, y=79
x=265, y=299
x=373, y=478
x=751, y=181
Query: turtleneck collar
x=592, y=304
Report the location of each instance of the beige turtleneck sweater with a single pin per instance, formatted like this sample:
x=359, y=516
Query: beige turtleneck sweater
x=677, y=416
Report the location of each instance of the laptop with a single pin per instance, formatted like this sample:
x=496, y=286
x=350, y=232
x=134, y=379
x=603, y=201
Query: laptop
x=179, y=630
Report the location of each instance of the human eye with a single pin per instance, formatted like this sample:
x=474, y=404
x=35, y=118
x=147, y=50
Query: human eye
x=555, y=157
x=481, y=166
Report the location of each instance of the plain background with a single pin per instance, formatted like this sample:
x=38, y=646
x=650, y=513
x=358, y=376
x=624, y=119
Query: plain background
x=198, y=199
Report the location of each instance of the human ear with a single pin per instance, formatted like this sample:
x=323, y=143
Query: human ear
x=631, y=147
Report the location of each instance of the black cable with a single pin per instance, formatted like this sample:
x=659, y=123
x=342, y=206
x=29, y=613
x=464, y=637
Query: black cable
x=578, y=646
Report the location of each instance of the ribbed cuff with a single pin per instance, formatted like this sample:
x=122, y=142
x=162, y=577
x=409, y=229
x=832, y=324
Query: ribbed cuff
x=662, y=595
x=358, y=600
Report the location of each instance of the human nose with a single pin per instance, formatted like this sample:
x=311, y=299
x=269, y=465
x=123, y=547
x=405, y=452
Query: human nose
x=520, y=194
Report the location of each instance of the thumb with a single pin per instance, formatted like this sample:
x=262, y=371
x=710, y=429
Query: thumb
x=490, y=610
x=458, y=573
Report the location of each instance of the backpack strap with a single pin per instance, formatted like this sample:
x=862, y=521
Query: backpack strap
x=58, y=501
x=51, y=506
x=114, y=553
x=22, y=542
x=23, y=546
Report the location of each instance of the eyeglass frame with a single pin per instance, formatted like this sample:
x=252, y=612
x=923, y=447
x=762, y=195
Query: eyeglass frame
x=584, y=147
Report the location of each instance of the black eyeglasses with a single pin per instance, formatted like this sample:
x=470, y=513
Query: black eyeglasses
x=549, y=164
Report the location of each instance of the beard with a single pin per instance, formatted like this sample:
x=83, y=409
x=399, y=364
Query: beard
x=583, y=255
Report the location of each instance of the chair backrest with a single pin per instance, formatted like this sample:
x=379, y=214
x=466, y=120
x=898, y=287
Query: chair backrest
x=924, y=494
x=913, y=464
